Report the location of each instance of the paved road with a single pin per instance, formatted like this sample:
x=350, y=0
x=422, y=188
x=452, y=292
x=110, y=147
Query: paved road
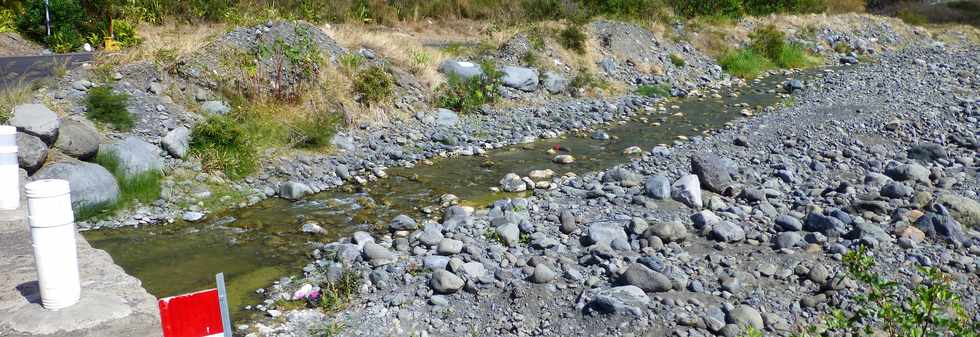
x=26, y=69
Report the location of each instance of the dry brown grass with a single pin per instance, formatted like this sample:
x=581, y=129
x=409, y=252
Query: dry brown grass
x=172, y=39
x=845, y=6
x=12, y=96
x=403, y=49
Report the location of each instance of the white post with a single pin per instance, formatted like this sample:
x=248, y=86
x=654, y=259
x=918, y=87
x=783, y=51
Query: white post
x=53, y=234
x=9, y=169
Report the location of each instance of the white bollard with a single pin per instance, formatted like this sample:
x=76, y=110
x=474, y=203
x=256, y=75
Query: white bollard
x=53, y=234
x=9, y=169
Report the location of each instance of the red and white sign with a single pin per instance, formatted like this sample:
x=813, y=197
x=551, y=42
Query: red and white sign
x=192, y=315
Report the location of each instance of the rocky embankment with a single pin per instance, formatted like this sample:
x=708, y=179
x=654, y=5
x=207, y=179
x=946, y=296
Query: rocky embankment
x=746, y=226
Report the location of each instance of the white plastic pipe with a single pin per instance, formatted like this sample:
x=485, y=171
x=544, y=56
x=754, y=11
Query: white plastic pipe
x=9, y=169
x=53, y=234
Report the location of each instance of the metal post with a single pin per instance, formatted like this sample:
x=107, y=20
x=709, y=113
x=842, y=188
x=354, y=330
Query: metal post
x=223, y=300
x=47, y=17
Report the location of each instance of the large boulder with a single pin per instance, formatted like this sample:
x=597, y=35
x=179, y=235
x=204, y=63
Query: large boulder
x=520, y=78
x=31, y=152
x=177, y=142
x=91, y=185
x=462, y=69
x=711, y=172
x=645, y=278
x=621, y=300
x=687, y=190
x=554, y=83
x=37, y=120
x=78, y=140
x=134, y=155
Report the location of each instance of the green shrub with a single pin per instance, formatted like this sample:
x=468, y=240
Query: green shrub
x=930, y=308
x=912, y=17
x=658, y=90
x=108, y=107
x=316, y=131
x=64, y=40
x=143, y=187
x=744, y=63
x=67, y=16
x=767, y=41
x=538, y=10
x=467, y=95
x=572, y=38
x=222, y=144
x=585, y=79
x=677, y=60
x=693, y=8
x=374, y=84
x=8, y=21
x=125, y=33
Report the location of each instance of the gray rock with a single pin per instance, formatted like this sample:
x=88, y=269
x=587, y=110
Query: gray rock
x=134, y=155
x=449, y=247
x=543, y=274
x=568, y=223
x=914, y=172
x=819, y=274
x=91, y=185
x=711, y=172
x=824, y=224
x=444, y=282
x=607, y=65
x=474, y=270
x=215, y=107
x=512, y=183
x=793, y=85
x=314, y=228
x=402, y=222
x=343, y=142
x=727, y=232
x=430, y=235
x=606, y=232
x=554, y=83
x=462, y=69
x=705, y=219
x=939, y=223
x=177, y=142
x=510, y=233
x=36, y=120
x=78, y=140
x=788, y=240
x=31, y=152
x=896, y=190
x=786, y=223
x=620, y=300
x=927, y=152
x=658, y=187
x=446, y=117
x=687, y=190
x=192, y=216
x=744, y=315
x=377, y=254
x=525, y=79
x=965, y=210
x=669, y=231
x=645, y=278
x=292, y=190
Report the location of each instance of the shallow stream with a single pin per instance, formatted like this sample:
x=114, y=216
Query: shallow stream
x=257, y=245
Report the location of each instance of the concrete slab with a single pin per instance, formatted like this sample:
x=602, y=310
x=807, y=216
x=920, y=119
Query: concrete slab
x=112, y=304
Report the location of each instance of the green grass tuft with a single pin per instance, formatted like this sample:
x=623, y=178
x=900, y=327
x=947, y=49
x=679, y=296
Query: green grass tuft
x=108, y=107
x=658, y=90
x=374, y=84
x=467, y=95
x=222, y=144
x=677, y=60
x=572, y=38
x=744, y=63
x=143, y=187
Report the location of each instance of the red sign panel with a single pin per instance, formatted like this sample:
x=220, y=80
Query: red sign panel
x=191, y=315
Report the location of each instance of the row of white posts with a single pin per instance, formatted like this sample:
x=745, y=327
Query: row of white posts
x=52, y=225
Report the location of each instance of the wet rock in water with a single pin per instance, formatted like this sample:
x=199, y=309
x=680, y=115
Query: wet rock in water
x=377, y=254
x=621, y=300
x=78, y=140
x=292, y=190
x=36, y=120
x=402, y=223
x=512, y=183
x=600, y=135
x=711, y=172
x=91, y=184
x=134, y=155
x=525, y=79
x=927, y=152
x=726, y=231
x=541, y=174
x=444, y=282
x=543, y=274
x=564, y=159
x=793, y=85
x=657, y=187
x=177, y=142
x=464, y=70
x=632, y=150
x=215, y=107
x=687, y=190
x=31, y=152
x=313, y=228
x=645, y=278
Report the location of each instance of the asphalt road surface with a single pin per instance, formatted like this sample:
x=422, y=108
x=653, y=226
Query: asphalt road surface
x=16, y=70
